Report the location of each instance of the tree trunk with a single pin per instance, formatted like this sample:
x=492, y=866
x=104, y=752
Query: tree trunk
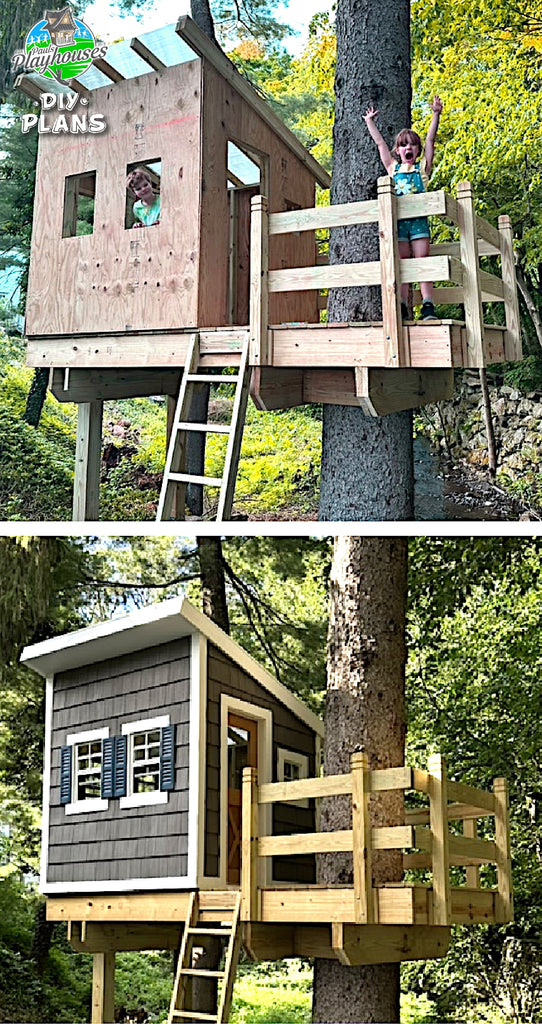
x=365, y=710
x=200, y=12
x=530, y=303
x=36, y=397
x=488, y=420
x=214, y=604
x=367, y=464
x=213, y=581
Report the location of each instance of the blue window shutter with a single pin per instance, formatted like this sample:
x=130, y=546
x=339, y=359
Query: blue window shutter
x=65, y=775
x=167, y=758
x=121, y=765
x=108, y=768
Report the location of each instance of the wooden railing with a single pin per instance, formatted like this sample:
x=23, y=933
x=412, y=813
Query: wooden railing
x=425, y=833
x=456, y=262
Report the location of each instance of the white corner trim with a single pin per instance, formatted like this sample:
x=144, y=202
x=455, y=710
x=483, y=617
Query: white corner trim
x=87, y=737
x=145, y=725
x=157, y=796
x=46, y=800
x=196, y=756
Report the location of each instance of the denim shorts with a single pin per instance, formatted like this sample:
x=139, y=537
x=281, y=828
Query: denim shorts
x=413, y=227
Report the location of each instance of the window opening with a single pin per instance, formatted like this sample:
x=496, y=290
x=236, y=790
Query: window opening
x=242, y=169
x=79, y=198
x=88, y=770
x=146, y=761
x=143, y=199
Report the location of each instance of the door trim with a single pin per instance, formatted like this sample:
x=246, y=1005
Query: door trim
x=264, y=718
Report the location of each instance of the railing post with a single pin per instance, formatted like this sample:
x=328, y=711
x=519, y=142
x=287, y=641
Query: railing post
x=472, y=294
x=470, y=829
x=361, y=840
x=504, y=902
x=390, y=275
x=259, y=290
x=249, y=846
x=438, y=820
x=512, y=338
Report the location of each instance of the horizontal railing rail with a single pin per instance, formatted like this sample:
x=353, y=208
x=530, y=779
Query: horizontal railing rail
x=425, y=832
x=456, y=263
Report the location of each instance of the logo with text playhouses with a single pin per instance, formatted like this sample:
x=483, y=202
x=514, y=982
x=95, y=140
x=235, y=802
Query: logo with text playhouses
x=60, y=46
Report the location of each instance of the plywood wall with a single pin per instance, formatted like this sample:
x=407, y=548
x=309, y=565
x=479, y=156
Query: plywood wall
x=227, y=117
x=118, y=279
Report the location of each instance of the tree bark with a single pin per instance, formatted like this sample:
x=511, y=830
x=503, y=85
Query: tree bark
x=213, y=581
x=365, y=710
x=36, y=397
x=488, y=420
x=367, y=464
x=200, y=12
x=214, y=604
x=530, y=304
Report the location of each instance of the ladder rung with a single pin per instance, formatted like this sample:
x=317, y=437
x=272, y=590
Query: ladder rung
x=210, y=428
x=196, y=1016
x=210, y=378
x=209, y=931
x=201, y=973
x=188, y=478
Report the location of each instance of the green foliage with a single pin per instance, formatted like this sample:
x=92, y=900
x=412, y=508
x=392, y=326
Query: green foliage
x=144, y=979
x=36, y=464
x=525, y=376
x=279, y=465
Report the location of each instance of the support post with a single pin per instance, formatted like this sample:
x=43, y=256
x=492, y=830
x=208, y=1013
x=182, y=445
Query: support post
x=512, y=338
x=504, y=902
x=438, y=820
x=259, y=290
x=249, y=846
x=361, y=840
x=472, y=294
x=88, y=452
x=390, y=275
x=103, y=988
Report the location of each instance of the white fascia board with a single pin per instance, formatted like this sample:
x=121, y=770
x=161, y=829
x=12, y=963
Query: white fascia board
x=122, y=885
x=147, y=627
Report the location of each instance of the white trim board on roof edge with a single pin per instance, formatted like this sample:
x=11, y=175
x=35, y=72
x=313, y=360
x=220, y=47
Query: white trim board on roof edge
x=148, y=627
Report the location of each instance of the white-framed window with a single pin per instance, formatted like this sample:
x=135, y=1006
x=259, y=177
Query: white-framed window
x=143, y=762
x=81, y=771
x=292, y=766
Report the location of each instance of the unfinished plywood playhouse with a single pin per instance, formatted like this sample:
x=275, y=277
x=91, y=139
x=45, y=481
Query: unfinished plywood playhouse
x=181, y=790
x=120, y=313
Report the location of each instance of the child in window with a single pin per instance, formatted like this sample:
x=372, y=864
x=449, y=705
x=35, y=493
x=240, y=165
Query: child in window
x=146, y=208
x=410, y=172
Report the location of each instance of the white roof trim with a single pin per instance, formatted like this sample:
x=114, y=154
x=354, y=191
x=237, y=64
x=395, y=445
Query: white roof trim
x=148, y=627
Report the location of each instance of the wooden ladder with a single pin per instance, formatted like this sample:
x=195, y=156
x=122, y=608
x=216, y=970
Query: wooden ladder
x=228, y=927
x=174, y=474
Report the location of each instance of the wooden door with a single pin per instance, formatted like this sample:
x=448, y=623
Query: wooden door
x=242, y=753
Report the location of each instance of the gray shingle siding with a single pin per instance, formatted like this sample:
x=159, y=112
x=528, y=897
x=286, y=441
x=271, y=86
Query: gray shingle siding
x=136, y=843
x=225, y=676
